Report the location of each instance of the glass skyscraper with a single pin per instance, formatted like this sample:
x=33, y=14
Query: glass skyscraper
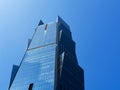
x=50, y=61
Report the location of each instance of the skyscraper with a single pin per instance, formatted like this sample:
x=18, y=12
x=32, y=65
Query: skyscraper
x=50, y=61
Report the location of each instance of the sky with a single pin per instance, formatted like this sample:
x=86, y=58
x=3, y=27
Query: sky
x=95, y=27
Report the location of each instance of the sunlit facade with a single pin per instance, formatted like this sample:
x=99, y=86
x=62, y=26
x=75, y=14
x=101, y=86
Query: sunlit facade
x=50, y=61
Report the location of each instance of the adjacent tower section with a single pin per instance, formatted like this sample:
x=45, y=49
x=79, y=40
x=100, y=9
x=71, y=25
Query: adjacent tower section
x=50, y=61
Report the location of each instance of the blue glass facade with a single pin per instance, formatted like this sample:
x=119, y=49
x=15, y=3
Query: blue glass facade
x=50, y=61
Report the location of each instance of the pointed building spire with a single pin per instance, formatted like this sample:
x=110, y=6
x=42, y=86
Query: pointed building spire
x=60, y=20
x=40, y=23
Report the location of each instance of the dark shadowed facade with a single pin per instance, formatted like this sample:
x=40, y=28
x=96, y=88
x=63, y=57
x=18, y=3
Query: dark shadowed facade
x=50, y=61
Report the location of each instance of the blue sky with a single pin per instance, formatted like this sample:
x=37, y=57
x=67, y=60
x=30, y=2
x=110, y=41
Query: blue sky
x=95, y=26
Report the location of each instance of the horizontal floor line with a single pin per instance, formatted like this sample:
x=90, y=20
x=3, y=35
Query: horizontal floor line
x=41, y=46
